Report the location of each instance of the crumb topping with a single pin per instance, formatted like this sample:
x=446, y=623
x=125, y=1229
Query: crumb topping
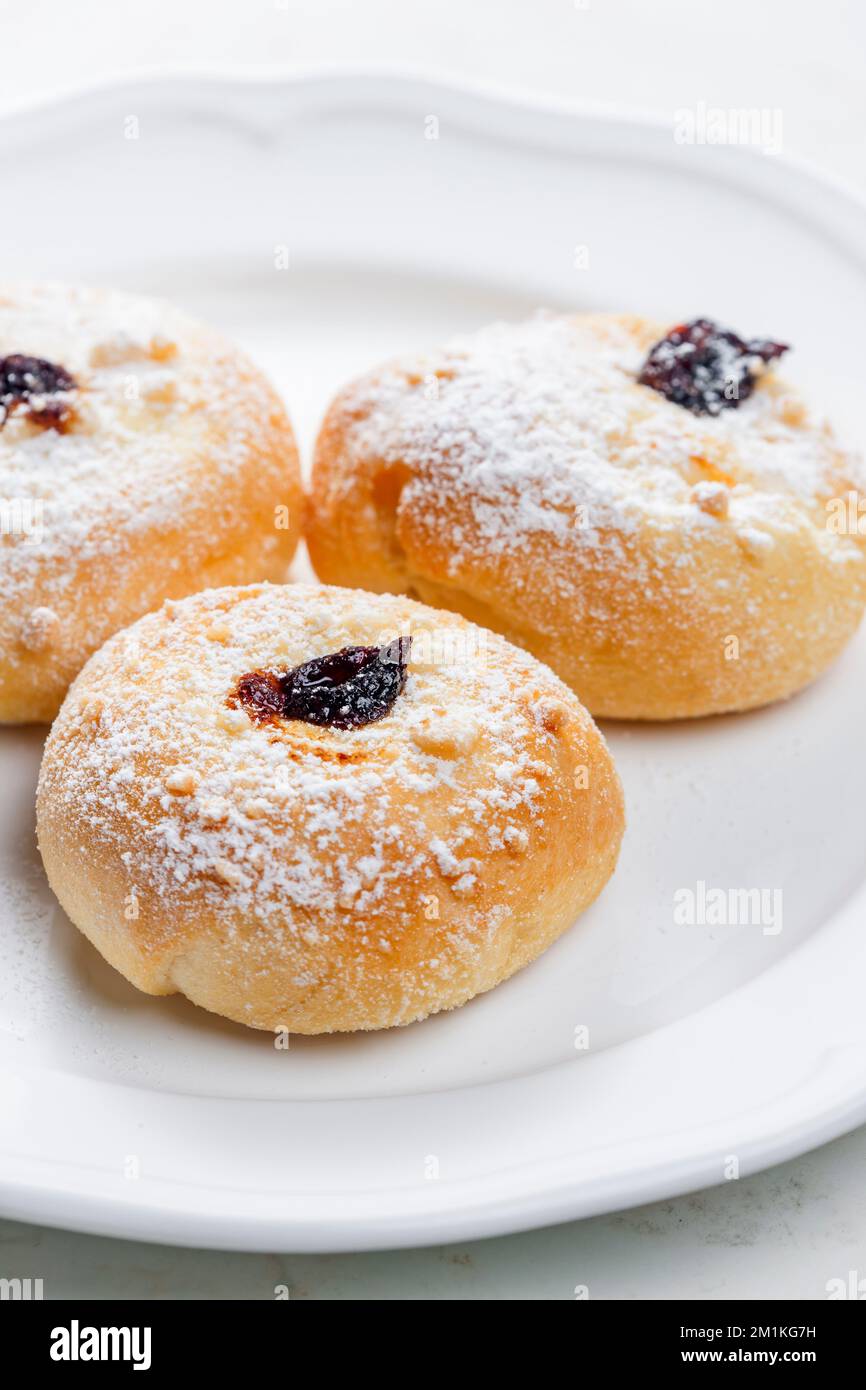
x=151, y=392
x=542, y=428
x=284, y=822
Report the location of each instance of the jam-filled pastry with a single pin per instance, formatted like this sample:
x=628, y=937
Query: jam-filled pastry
x=321, y=809
x=141, y=458
x=652, y=512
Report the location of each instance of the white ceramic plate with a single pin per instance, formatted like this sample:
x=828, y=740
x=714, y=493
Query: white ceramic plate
x=711, y=1049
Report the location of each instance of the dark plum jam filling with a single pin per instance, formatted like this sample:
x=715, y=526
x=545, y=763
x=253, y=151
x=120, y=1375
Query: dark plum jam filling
x=37, y=386
x=705, y=368
x=345, y=690
x=260, y=694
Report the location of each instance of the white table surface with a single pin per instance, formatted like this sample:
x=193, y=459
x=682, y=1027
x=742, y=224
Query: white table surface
x=784, y=1233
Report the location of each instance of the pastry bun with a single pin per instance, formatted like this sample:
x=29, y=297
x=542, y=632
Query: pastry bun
x=141, y=458
x=295, y=875
x=665, y=561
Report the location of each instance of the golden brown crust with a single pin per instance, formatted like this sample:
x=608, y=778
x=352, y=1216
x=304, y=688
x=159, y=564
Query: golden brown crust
x=311, y=878
x=177, y=471
x=664, y=565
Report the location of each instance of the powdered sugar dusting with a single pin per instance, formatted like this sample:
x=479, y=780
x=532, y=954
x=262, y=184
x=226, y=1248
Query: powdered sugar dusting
x=541, y=427
x=302, y=825
x=155, y=391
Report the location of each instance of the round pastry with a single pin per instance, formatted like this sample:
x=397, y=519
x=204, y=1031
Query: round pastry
x=141, y=458
x=655, y=515
x=321, y=809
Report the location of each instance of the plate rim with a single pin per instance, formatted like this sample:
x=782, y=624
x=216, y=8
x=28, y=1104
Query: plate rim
x=368, y=79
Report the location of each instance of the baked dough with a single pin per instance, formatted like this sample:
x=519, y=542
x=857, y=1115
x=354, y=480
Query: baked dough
x=174, y=469
x=663, y=563
x=289, y=875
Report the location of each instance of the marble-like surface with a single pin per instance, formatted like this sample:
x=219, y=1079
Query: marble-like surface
x=784, y=1233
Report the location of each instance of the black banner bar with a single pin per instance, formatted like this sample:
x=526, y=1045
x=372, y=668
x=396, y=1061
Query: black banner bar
x=142, y=1338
